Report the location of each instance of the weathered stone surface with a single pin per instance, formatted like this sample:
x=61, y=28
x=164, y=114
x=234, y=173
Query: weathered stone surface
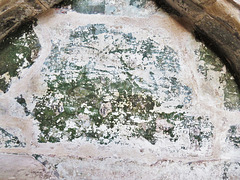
x=115, y=168
x=23, y=167
x=15, y=12
x=117, y=91
x=219, y=21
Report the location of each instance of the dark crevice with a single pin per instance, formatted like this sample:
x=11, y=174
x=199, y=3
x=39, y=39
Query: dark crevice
x=18, y=32
x=166, y=7
x=63, y=4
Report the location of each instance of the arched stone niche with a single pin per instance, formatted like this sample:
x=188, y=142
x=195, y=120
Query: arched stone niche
x=115, y=89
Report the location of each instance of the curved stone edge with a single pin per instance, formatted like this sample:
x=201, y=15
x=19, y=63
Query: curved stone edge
x=15, y=12
x=219, y=22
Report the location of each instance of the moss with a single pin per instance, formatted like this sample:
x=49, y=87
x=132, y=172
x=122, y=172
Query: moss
x=83, y=92
x=4, y=84
x=167, y=60
x=72, y=133
x=42, y=139
x=97, y=119
x=172, y=117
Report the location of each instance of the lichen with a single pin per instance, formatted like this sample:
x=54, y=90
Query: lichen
x=230, y=170
x=92, y=97
x=208, y=61
x=197, y=127
x=121, y=7
x=89, y=7
x=17, y=52
x=231, y=92
x=23, y=103
x=234, y=136
x=7, y=140
x=137, y=3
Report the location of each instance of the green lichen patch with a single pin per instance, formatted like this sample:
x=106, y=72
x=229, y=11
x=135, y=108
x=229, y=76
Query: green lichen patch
x=231, y=92
x=7, y=140
x=84, y=99
x=121, y=7
x=95, y=91
x=138, y=3
x=234, y=136
x=89, y=7
x=231, y=170
x=209, y=62
x=198, y=128
x=52, y=167
x=162, y=65
x=16, y=53
x=210, y=59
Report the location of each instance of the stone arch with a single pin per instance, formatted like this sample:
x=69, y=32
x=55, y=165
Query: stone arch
x=107, y=100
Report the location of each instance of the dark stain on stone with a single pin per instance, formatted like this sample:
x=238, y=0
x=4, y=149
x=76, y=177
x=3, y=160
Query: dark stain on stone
x=227, y=170
x=10, y=140
x=138, y=3
x=234, y=136
x=166, y=7
x=23, y=103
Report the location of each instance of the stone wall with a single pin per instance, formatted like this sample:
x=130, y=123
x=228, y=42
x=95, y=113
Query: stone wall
x=115, y=90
